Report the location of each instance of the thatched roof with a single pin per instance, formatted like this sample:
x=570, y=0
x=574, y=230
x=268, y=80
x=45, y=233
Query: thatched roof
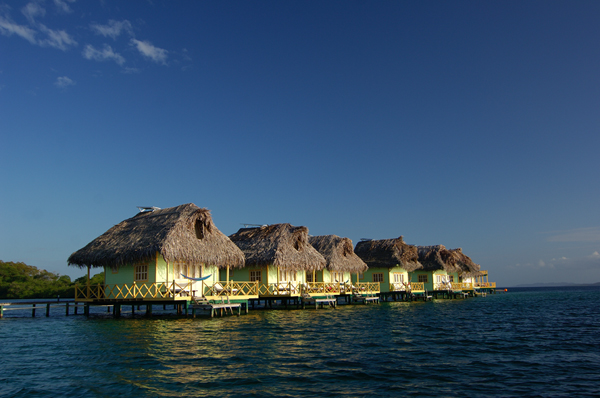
x=388, y=253
x=451, y=260
x=338, y=252
x=281, y=245
x=184, y=233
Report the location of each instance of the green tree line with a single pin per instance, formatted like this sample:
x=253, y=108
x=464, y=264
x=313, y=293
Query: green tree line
x=21, y=281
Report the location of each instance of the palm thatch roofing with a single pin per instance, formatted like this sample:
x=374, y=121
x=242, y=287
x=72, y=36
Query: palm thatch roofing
x=339, y=253
x=388, y=253
x=185, y=233
x=451, y=260
x=281, y=245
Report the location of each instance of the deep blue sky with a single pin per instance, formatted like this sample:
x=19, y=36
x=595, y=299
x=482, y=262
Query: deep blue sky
x=467, y=124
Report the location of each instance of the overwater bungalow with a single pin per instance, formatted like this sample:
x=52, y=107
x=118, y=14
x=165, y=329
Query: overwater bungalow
x=391, y=263
x=342, y=263
x=446, y=269
x=163, y=254
x=278, y=257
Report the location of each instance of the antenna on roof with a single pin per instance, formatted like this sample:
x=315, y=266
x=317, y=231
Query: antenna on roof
x=253, y=225
x=146, y=209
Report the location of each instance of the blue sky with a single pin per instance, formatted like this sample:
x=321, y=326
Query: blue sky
x=467, y=124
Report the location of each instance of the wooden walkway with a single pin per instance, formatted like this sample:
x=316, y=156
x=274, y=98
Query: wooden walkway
x=37, y=306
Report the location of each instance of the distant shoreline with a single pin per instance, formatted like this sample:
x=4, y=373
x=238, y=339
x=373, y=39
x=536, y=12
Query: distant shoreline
x=558, y=284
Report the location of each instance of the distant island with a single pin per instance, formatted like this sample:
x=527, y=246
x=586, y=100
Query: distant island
x=557, y=284
x=21, y=281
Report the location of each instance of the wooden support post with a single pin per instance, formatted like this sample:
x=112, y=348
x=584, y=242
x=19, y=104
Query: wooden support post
x=67, y=309
x=148, y=309
x=47, y=310
x=1, y=312
x=132, y=310
x=86, y=309
x=33, y=312
x=186, y=308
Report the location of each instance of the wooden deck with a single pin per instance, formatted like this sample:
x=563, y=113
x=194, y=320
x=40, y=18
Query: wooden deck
x=329, y=301
x=366, y=299
x=217, y=309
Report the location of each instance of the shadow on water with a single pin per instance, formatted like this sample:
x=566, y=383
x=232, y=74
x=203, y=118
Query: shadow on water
x=498, y=345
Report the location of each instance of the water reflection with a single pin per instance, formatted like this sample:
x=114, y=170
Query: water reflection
x=444, y=347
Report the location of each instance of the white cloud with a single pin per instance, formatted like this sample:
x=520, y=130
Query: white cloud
x=156, y=54
x=541, y=263
x=113, y=29
x=107, y=53
x=8, y=28
x=591, y=234
x=595, y=255
x=63, y=82
x=56, y=38
x=32, y=11
x=131, y=70
x=63, y=6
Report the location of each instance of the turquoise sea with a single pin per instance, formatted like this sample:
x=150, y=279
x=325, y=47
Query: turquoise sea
x=537, y=342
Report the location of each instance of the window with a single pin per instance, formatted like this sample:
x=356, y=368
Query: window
x=398, y=277
x=378, y=277
x=115, y=270
x=337, y=277
x=451, y=278
x=256, y=276
x=422, y=278
x=141, y=272
x=309, y=277
x=287, y=276
x=361, y=276
x=182, y=268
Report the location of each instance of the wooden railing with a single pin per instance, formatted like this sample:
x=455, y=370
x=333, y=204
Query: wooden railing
x=399, y=287
x=162, y=290
x=156, y=290
x=323, y=287
x=231, y=289
x=485, y=284
x=407, y=287
x=417, y=287
x=280, y=289
x=365, y=287
x=453, y=286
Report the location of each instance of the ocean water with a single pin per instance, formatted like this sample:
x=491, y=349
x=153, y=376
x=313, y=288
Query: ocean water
x=527, y=342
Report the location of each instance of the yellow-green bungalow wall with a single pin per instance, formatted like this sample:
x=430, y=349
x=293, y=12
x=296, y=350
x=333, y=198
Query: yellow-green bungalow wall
x=427, y=285
x=158, y=271
x=327, y=276
x=431, y=277
x=125, y=274
x=268, y=274
x=387, y=276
